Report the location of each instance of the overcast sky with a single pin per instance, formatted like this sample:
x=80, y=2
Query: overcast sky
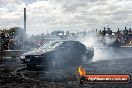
x=43, y=15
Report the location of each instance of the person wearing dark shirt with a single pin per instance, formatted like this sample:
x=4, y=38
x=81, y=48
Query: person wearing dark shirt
x=3, y=38
x=125, y=31
x=104, y=32
x=100, y=32
x=125, y=35
x=109, y=32
x=130, y=31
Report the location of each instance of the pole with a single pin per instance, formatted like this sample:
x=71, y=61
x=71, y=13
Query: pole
x=25, y=21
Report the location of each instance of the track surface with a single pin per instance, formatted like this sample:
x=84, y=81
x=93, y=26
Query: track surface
x=13, y=74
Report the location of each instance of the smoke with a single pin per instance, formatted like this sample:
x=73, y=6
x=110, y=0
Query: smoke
x=90, y=40
x=111, y=53
x=100, y=53
x=65, y=59
x=103, y=50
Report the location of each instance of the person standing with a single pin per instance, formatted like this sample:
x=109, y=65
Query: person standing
x=3, y=38
x=104, y=32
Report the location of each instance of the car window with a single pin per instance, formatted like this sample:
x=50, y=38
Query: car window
x=64, y=45
x=60, y=46
x=51, y=45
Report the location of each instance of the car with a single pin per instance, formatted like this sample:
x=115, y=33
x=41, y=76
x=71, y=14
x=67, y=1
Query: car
x=58, y=54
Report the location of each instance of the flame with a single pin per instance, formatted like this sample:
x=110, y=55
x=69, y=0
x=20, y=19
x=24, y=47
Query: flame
x=81, y=71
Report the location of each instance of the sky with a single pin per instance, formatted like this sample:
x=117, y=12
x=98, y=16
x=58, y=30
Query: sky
x=48, y=15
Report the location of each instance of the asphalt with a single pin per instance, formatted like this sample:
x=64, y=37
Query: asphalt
x=12, y=74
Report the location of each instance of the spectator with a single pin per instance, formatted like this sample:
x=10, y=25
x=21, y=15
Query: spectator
x=130, y=31
x=125, y=35
x=3, y=38
x=104, y=32
x=11, y=45
x=118, y=33
x=100, y=32
x=125, y=32
x=109, y=32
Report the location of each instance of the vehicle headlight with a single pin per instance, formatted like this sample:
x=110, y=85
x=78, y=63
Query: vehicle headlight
x=22, y=57
x=37, y=56
x=27, y=60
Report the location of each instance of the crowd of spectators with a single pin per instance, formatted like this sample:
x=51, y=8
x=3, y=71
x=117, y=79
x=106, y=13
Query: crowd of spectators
x=7, y=42
x=104, y=32
x=123, y=37
x=10, y=40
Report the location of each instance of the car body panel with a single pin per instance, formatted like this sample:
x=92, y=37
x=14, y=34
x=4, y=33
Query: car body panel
x=60, y=53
